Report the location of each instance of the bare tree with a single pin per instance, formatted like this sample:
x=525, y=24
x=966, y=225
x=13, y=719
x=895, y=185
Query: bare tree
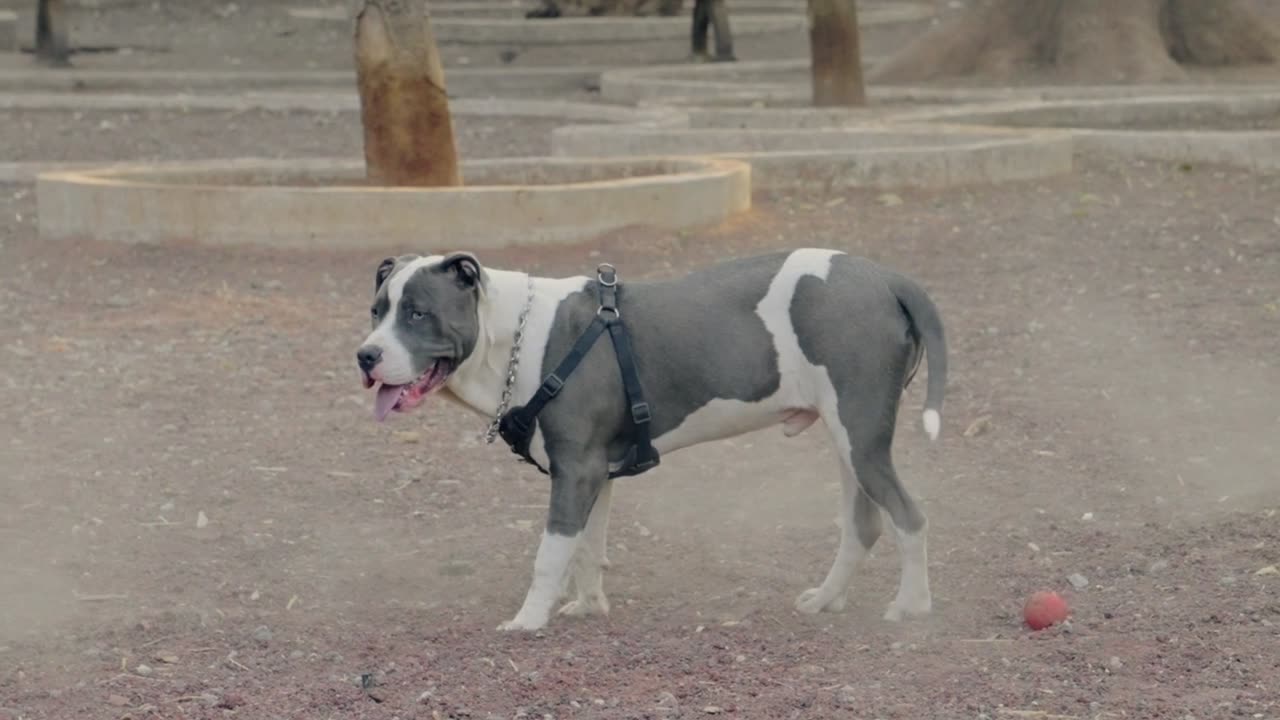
x=52, y=46
x=1088, y=41
x=835, y=51
x=408, y=130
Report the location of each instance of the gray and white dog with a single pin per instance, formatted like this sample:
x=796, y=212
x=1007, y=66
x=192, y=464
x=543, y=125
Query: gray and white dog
x=785, y=338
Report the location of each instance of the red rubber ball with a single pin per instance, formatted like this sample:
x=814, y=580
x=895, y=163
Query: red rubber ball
x=1044, y=609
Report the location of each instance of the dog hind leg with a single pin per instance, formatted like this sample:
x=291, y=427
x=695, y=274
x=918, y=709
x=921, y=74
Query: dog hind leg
x=860, y=527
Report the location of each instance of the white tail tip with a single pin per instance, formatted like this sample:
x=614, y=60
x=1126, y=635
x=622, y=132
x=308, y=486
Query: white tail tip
x=932, y=423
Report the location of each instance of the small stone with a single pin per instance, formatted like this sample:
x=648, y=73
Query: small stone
x=167, y=658
x=978, y=426
x=713, y=710
x=202, y=520
x=1087, y=517
x=666, y=699
x=167, y=507
x=1115, y=663
x=1157, y=566
x=889, y=200
x=296, y=655
x=407, y=436
x=144, y=670
x=1227, y=580
x=1268, y=570
x=847, y=696
x=117, y=700
x=427, y=696
x=1078, y=581
x=262, y=634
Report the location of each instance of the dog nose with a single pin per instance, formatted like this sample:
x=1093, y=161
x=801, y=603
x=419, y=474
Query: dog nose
x=368, y=356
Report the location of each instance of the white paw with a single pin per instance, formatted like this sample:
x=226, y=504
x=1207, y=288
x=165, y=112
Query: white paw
x=814, y=601
x=521, y=624
x=598, y=605
x=900, y=610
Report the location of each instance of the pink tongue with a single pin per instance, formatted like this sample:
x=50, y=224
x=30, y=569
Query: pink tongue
x=388, y=396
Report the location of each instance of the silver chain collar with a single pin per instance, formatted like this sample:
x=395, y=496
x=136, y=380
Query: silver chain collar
x=512, y=365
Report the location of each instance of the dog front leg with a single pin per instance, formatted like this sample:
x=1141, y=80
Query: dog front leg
x=574, y=486
x=590, y=561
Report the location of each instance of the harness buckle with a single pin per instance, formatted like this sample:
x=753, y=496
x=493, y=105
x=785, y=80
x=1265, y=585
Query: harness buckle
x=607, y=274
x=553, y=384
x=616, y=314
x=640, y=413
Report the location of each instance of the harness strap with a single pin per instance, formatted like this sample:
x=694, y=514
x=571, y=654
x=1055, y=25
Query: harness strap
x=517, y=426
x=519, y=422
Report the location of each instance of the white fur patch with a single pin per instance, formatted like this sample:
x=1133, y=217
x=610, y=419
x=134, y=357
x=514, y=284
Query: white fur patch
x=479, y=381
x=932, y=423
x=549, y=567
x=803, y=385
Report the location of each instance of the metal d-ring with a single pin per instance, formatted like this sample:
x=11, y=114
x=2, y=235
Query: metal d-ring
x=617, y=315
x=600, y=274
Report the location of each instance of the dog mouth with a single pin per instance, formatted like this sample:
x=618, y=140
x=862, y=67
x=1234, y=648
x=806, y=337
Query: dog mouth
x=403, y=398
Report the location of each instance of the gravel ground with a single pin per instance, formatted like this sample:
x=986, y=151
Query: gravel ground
x=1110, y=414
x=194, y=34
x=172, y=135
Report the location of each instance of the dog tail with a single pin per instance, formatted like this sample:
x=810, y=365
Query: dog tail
x=923, y=315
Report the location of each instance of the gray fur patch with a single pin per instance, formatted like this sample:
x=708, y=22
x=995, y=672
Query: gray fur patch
x=696, y=339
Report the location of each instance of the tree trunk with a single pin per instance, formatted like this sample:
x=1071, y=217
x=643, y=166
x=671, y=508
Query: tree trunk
x=1088, y=41
x=52, y=47
x=408, y=131
x=836, y=53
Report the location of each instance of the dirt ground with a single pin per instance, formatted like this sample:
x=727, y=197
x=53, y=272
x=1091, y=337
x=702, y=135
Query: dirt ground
x=200, y=519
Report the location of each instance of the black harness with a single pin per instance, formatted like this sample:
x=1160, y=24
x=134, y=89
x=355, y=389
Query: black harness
x=517, y=426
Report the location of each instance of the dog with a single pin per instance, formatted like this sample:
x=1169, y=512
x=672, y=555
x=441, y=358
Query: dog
x=784, y=338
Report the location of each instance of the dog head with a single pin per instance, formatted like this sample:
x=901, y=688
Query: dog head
x=425, y=318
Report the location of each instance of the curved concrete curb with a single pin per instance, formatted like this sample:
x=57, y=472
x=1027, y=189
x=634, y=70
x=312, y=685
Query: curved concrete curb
x=877, y=157
x=245, y=202
x=462, y=81
x=595, y=31
x=1114, y=125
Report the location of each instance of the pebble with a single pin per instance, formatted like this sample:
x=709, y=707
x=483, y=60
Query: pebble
x=847, y=696
x=1078, y=581
x=117, y=700
x=262, y=634
x=296, y=655
x=1227, y=580
x=407, y=436
x=1157, y=566
x=666, y=699
x=202, y=520
x=1115, y=663
x=143, y=670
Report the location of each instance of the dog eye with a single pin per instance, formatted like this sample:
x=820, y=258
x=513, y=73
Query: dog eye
x=418, y=315
x=373, y=312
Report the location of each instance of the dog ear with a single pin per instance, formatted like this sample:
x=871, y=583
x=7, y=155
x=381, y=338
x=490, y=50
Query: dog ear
x=383, y=272
x=465, y=268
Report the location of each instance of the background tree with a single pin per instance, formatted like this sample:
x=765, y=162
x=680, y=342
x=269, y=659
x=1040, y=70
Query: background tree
x=1088, y=41
x=408, y=130
x=835, y=51
x=52, y=47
